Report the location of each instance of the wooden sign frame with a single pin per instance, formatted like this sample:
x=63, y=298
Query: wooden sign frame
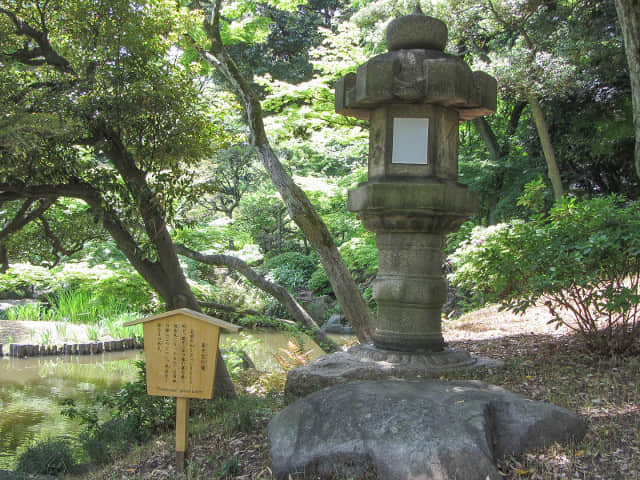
x=181, y=351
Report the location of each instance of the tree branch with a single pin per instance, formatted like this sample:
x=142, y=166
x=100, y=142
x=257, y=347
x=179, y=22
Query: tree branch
x=56, y=243
x=486, y=133
x=514, y=119
x=229, y=308
x=278, y=292
x=23, y=217
x=300, y=208
x=43, y=54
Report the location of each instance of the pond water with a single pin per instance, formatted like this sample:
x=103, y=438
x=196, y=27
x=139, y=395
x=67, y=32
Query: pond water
x=31, y=389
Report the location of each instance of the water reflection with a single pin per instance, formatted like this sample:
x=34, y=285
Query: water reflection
x=31, y=390
x=261, y=345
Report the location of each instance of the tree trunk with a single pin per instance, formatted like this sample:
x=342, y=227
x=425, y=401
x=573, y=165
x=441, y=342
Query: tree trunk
x=547, y=148
x=4, y=258
x=278, y=292
x=300, y=208
x=486, y=133
x=629, y=18
x=167, y=278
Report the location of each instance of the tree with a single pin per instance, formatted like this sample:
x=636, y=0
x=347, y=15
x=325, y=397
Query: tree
x=47, y=231
x=629, y=18
x=231, y=176
x=281, y=294
x=99, y=109
x=529, y=67
x=300, y=208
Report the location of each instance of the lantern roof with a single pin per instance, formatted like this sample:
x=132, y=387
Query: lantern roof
x=416, y=71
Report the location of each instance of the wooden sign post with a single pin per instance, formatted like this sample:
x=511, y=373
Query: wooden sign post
x=181, y=349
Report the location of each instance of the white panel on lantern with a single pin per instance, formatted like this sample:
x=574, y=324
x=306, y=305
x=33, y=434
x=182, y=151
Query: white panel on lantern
x=410, y=140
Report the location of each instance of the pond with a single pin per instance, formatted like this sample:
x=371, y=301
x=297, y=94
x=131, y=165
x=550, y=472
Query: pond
x=31, y=389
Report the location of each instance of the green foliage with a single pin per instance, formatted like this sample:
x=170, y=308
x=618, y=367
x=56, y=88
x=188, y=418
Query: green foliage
x=48, y=457
x=361, y=256
x=239, y=415
x=309, y=135
x=265, y=217
x=582, y=260
x=235, y=349
x=60, y=232
x=29, y=311
x=104, y=289
x=135, y=417
x=291, y=270
x=477, y=264
x=455, y=239
x=534, y=197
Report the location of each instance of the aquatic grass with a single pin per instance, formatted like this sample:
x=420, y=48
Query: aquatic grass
x=61, y=330
x=112, y=325
x=94, y=332
x=46, y=338
x=74, y=307
x=26, y=312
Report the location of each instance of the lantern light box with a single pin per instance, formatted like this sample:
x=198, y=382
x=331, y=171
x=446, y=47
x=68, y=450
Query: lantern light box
x=410, y=141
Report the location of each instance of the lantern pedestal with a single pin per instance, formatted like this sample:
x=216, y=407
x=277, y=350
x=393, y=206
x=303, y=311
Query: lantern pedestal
x=410, y=221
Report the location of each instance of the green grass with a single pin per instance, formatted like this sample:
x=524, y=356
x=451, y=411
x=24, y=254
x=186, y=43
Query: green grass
x=30, y=311
x=104, y=318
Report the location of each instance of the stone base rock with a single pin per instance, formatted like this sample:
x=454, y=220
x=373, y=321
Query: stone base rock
x=365, y=362
x=397, y=430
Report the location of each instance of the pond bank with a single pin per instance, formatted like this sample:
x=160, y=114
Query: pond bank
x=38, y=338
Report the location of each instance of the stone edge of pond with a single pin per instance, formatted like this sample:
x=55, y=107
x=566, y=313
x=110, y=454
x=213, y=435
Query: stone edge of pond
x=18, y=350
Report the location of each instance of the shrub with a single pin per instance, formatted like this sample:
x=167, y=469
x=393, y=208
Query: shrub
x=49, y=457
x=582, y=259
x=361, y=256
x=105, y=284
x=292, y=270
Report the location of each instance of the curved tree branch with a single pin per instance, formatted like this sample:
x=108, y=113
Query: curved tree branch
x=278, y=292
x=56, y=242
x=300, y=208
x=43, y=54
x=24, y=216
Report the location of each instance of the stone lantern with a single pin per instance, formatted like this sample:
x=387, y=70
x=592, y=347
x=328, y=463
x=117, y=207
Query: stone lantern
x=414, y=97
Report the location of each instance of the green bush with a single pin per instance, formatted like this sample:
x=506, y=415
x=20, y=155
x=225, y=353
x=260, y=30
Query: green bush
x=116, y=283
x=582, y=261
x=361, y=256
x=49, y=457
x=292, y=270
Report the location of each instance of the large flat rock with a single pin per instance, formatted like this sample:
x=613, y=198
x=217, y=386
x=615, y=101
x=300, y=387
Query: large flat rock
x=401, y=430
x=365, y=362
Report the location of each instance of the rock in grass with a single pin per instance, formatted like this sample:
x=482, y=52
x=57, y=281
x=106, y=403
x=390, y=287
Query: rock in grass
x=430, y=430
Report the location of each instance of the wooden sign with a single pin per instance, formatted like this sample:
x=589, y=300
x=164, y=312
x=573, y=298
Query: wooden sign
x=181, y=349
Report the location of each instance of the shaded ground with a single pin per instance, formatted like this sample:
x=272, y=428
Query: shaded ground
x=540, y=362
